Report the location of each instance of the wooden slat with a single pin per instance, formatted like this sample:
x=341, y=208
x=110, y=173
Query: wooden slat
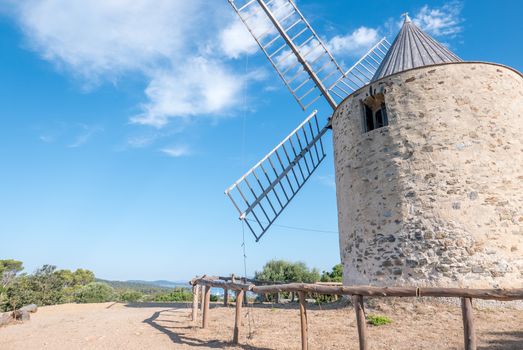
x=202, y=297
x=195, y=290
x=469, y=331
x=491, y=294
x=237, y=319
x=303, y=318
x=206, y=306
x=357, y=300
x=226, y=297
x=325, y=289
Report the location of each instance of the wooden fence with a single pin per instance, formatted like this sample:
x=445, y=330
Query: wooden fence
x=357, y=294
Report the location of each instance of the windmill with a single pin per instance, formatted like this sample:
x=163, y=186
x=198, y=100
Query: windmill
x=310, y=73
x=424, y=154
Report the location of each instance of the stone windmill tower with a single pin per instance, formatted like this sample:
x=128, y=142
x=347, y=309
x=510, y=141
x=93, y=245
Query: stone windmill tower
x=428, y=155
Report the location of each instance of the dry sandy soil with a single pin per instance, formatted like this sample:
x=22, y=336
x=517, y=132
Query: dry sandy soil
x=416, y=325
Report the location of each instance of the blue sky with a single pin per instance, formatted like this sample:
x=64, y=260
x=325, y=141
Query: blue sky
x=122, y=125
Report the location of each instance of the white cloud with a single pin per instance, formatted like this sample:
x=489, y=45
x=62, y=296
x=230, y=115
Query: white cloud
x=355, y=43
x=235, y=40
x=166, y=43
x=176, y=151
x=179, y=47
x=202, y=86
x=99, y=37
x=443, y=21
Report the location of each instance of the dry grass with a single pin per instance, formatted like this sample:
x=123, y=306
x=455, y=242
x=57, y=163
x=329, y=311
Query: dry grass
x=416, y=325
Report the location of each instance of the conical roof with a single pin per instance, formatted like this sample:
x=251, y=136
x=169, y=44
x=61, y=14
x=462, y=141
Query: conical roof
x=413, y=48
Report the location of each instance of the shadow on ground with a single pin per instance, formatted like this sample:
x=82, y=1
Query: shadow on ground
x=504, y=341
x=174, y=305
x=178, y=338
x=266, y=305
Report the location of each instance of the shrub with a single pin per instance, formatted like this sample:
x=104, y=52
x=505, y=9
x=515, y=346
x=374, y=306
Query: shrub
x=285, y=271
x=95, y=292
x=214, y=297
x=333, y=276
x=378, y=320
x=178, y=294
x=131, y=296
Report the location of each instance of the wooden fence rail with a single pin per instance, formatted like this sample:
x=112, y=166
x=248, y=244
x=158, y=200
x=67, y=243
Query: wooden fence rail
x=356, y=292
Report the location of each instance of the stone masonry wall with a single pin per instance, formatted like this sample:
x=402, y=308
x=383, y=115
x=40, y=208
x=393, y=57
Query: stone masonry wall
x=436, y=197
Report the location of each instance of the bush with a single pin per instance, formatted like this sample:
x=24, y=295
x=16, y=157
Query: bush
x=95, y=292
x=178, y=294
x=213, y=297
x=131, y=296
x=284, y=271
x=334, y=276
x=378, y=320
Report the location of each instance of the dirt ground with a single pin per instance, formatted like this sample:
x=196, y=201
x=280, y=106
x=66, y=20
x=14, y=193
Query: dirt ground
x=416, y=325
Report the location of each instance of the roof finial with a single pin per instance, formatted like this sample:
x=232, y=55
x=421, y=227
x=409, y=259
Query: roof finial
x=407, y=18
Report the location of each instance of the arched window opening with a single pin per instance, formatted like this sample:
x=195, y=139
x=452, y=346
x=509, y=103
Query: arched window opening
x=374, y=113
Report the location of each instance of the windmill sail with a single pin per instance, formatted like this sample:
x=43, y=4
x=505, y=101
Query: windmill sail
x=309, y=71
x=265, y=191
x=361, y=72
x=299, y=56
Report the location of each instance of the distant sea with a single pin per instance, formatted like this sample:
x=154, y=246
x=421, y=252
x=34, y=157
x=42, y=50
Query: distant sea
x=175, y=284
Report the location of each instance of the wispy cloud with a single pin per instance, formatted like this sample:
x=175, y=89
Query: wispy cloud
x=86, y=133
x=442, y=21
x=445, y=21
x=202, y=86
x=71, y=135
x=327, y=180
x=171, y=44
x=355, y=43
x=182, y=49
x=176, y=151
x=235, y=40
x=47, y=138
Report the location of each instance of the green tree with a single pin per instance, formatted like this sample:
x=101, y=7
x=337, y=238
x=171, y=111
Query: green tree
x=335, y=275
x=46, y=286
x=285, y=271
x=8, y=270
x=95, y=292
x=83, y=277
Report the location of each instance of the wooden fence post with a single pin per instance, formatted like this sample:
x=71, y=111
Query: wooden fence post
x=357, y=300
x=303, y=316
x=468, y=324
x=225, y=297
x=202, y=297
x=195, y=290
x=238, y=320
x=207, y=299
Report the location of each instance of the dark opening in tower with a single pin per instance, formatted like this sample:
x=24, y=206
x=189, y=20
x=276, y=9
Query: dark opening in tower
x=374, y=113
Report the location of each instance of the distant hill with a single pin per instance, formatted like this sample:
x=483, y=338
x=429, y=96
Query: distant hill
x=146, y=287
x=163, y=283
